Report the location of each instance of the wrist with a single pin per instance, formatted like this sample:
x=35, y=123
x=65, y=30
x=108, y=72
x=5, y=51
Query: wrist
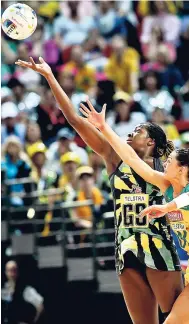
x=48, y=75
x=168, y=208
x=182, y=200
x=102, y=127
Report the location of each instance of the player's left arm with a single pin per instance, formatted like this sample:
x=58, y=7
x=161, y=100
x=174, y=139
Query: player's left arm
x=156, y=211
x=125, y=151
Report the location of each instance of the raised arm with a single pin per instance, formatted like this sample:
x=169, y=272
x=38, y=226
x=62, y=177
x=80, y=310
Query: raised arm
x=126, y=152
x=88, y=132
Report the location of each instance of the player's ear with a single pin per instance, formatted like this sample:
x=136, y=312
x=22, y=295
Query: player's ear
x=151, y=142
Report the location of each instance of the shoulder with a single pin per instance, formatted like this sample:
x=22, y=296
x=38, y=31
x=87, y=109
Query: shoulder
x=164, y=93
x=139, y=95
x=132, y=51
x=148, y=20
x=173, y=18
x=130, y=56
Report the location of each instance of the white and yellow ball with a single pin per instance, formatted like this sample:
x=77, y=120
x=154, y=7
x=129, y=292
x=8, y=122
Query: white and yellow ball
x=19, y=21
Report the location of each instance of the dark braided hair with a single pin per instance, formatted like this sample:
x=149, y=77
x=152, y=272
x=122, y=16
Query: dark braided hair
x=163, y=147
x=182, y=156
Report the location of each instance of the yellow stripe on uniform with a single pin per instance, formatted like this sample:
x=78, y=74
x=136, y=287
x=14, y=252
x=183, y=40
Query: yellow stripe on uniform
x=120, y=184
x=157, y=242
x=145, y=242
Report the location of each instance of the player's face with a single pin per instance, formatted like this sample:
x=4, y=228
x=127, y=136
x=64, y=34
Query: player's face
x=138, y=139
x=172, y=168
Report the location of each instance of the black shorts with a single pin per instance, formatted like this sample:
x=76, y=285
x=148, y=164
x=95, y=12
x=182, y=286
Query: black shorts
x=131, y=261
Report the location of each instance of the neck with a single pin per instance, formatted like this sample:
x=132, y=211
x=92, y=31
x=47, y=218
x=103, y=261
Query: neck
x=178, y=184
x=88, y=192
x=11, y=282
x=145, y=156
x=124, y=118
x=151, y=91
x=73, y=180
x=71, y=177
x=119, y=55
x=14, y=158
x=33, y=141
x=39, y=170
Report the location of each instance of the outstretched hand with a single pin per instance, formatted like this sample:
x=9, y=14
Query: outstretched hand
x=154, y=211
x=95, y=118
x=43, y=68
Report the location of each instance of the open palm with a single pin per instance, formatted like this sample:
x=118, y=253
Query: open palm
x=95, y=118
x=154, y=211
x=43, y=68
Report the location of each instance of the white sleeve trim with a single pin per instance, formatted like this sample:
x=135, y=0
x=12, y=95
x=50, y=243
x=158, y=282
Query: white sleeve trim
x=182, y=200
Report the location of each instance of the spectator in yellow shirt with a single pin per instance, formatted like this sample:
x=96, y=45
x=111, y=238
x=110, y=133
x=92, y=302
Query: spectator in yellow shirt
x=85, y=76
x=123, y=66
x=143, y=7
x=70, y=162
x=87, y=190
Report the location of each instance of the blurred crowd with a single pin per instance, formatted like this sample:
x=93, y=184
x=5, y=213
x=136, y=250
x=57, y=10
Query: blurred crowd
x=132, y=55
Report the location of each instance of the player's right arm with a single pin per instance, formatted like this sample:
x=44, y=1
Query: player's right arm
x=88, y=132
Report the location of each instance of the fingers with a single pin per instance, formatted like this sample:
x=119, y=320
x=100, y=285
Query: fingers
x=85, y=108
x=23, y=63
x=104, y=108
x=146, y=211
x=32, y=61
x=41, y=60
x=84, y=112
x=90, y=105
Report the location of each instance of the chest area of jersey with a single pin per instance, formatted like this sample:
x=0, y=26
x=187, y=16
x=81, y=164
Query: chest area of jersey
x=132, y=194
x=179, y=219
x=125, y=180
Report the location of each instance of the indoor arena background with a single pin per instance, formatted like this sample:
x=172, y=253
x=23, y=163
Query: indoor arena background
x=70, y=262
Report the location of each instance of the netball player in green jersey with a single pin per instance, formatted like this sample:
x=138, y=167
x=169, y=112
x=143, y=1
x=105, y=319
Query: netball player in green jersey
x=141, y=266
x=173, y=183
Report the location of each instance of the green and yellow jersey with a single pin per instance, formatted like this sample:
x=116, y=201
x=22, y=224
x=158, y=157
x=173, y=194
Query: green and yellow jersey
x=179, y=221
x=150, y=241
